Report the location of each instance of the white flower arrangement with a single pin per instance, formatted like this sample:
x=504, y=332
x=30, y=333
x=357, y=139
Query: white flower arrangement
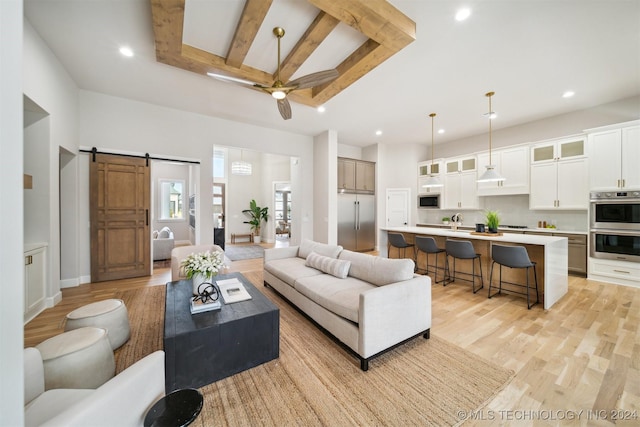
x=207, y=264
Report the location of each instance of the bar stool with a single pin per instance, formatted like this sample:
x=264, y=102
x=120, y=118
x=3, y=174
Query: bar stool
x=428, y=246
x=462, y=249
x=397, y=241
x=513, y=257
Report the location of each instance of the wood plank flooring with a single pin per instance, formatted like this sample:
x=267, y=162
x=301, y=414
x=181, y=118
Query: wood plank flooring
x=577, y=363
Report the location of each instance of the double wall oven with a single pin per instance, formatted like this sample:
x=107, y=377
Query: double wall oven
x=615, y=225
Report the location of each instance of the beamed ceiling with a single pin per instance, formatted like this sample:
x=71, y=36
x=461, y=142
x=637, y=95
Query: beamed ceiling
x=384, y=28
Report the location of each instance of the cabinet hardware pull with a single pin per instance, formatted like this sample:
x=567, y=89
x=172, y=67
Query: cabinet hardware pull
x=622, y=271
x=624, y=183
x=28, y=260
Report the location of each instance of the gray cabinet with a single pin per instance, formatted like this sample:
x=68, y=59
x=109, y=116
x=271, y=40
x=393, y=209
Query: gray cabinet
x=577, y=250
x=356, y=175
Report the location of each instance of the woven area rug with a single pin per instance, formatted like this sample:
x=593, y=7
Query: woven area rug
x=237, y=253
x=316, y=382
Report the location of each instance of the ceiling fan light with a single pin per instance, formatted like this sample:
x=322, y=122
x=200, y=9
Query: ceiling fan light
x=278, y=94
x=490, y=175
x=241, y=168
x=432, y=181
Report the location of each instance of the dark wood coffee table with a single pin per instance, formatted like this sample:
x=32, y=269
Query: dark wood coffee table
x=206, y=347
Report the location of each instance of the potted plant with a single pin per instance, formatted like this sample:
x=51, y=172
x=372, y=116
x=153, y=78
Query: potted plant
x=202, y=267
x=256, y=215
x=493, y=221
x=445, y=220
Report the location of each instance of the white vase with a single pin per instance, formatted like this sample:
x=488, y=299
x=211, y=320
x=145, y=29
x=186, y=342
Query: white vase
x=256, y=238
x=199, y=279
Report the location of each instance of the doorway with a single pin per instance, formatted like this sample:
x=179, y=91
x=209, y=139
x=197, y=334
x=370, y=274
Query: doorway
x=282, y=212
x=398, y=207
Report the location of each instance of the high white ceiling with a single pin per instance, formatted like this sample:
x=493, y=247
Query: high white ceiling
x=528, y=51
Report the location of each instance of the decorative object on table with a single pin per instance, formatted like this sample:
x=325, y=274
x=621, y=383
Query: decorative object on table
x=445, y=220
x=432, y=180
x=493, y=220
x=232, y=290
x=479, y=228
x=202, y=267
x=490, y=175
x=179, y=408
x=257, y=215
x=456, y=221
x=207, y=299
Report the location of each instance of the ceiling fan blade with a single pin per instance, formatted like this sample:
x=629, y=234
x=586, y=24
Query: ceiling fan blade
x=224, y=78
x=314, y=79
x=285, y=108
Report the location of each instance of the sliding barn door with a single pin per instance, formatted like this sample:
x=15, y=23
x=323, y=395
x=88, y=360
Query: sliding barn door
x=119, y=197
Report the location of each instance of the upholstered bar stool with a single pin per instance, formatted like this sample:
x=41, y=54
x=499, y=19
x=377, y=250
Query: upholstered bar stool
x=463, y=249
x=81, y=358
x=513, y=257
x=428, y=246
x=110, y=314
x=397, y=241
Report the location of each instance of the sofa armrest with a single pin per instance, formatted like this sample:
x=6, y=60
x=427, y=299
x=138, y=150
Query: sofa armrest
x=33, y=374
x=123, y=401
x=391, y=313
x=280, y=253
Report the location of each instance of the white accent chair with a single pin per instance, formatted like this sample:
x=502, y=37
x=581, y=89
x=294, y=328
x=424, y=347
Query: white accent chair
x=181, y=252
x=122, y=401
x=163, y=243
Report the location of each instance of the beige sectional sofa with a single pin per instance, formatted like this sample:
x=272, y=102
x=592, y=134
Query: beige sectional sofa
x=369, y=303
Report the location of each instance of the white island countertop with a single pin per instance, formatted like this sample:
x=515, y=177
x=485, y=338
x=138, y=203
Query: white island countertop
x=552, y=254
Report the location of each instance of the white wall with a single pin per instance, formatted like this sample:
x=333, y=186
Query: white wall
x=11, y=220
x=111, y=123
x=325, y=163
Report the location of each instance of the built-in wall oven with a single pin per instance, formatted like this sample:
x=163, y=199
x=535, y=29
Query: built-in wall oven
x=615, y=225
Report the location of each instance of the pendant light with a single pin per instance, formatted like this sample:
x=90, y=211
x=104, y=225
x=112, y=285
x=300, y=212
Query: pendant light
x=490, y=175
x=432, y=180
x=241, y=167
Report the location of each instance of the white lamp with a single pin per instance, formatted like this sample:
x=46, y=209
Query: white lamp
x=490, y=175
x=241, y=167
x=432, y=180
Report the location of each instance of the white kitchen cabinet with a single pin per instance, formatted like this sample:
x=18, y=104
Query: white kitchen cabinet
x=615, y=154
x=559, y=175
x=513, y=164
x=424, y=170
x=460, y=187
x=34, y=280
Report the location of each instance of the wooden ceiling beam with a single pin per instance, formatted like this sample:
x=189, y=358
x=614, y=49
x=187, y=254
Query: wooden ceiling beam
x=215, y=63
x=319, y=29
x=168, y=20
x=377, y=19
x=251, y=19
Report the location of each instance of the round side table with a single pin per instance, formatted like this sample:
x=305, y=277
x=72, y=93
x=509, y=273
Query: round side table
x=176, y=409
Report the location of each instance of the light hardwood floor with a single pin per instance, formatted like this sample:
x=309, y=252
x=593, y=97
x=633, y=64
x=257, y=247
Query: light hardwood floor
x=577, y=363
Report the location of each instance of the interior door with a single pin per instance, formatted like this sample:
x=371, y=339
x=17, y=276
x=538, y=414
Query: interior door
x=119, y=216
x=398, y=207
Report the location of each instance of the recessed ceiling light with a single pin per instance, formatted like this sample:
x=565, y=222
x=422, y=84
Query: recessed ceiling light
x=463, y=14
x=378, y=132
x=321, y=109
x=126, y=51
x=441, y=131
x=568, y=94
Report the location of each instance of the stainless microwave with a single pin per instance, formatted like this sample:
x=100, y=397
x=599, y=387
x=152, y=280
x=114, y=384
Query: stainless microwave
x=429, y=201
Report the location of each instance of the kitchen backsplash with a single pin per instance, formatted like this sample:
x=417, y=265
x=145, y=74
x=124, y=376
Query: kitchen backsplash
x=514, y=210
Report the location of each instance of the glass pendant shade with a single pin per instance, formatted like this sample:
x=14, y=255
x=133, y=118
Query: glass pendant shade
x=432, y=181
x=490, y=175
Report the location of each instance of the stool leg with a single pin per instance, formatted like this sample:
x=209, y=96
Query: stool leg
x=490, y=280
x=527, y=274
x=535, y=277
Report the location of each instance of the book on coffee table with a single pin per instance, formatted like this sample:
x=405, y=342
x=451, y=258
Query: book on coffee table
x=200, y=307
x=232, y=290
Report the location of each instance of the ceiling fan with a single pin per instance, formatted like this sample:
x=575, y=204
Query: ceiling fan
x=280, y=90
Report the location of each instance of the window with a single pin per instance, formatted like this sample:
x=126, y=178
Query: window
x=283, y=206
x=171, y=200
x=219, y=162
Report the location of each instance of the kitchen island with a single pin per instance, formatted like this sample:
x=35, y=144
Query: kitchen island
x=549, y=252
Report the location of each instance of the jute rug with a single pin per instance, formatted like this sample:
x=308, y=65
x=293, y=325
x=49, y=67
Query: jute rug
x=315, y=382
x=236, y=253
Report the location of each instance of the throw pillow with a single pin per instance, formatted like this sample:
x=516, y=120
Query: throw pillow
x=307, y=246
x=155, y=234
x=332, y=266
x=164, y=233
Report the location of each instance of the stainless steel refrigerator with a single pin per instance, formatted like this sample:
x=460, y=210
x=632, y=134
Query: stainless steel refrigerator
x=356, y=221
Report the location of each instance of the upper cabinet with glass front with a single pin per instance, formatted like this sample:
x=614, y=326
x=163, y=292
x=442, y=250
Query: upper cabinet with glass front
x=425, y=169
x=554, y=151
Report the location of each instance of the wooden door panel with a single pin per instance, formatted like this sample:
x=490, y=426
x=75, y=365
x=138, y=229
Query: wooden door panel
x=120, y=236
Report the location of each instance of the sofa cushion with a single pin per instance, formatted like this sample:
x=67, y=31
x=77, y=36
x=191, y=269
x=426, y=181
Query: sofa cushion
x=340, y=296
x=308, y=246
x=155, y=234
x=164, y=233
x=51, y=403
x=290, y=269
x=333, y=266
x=377, y=270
